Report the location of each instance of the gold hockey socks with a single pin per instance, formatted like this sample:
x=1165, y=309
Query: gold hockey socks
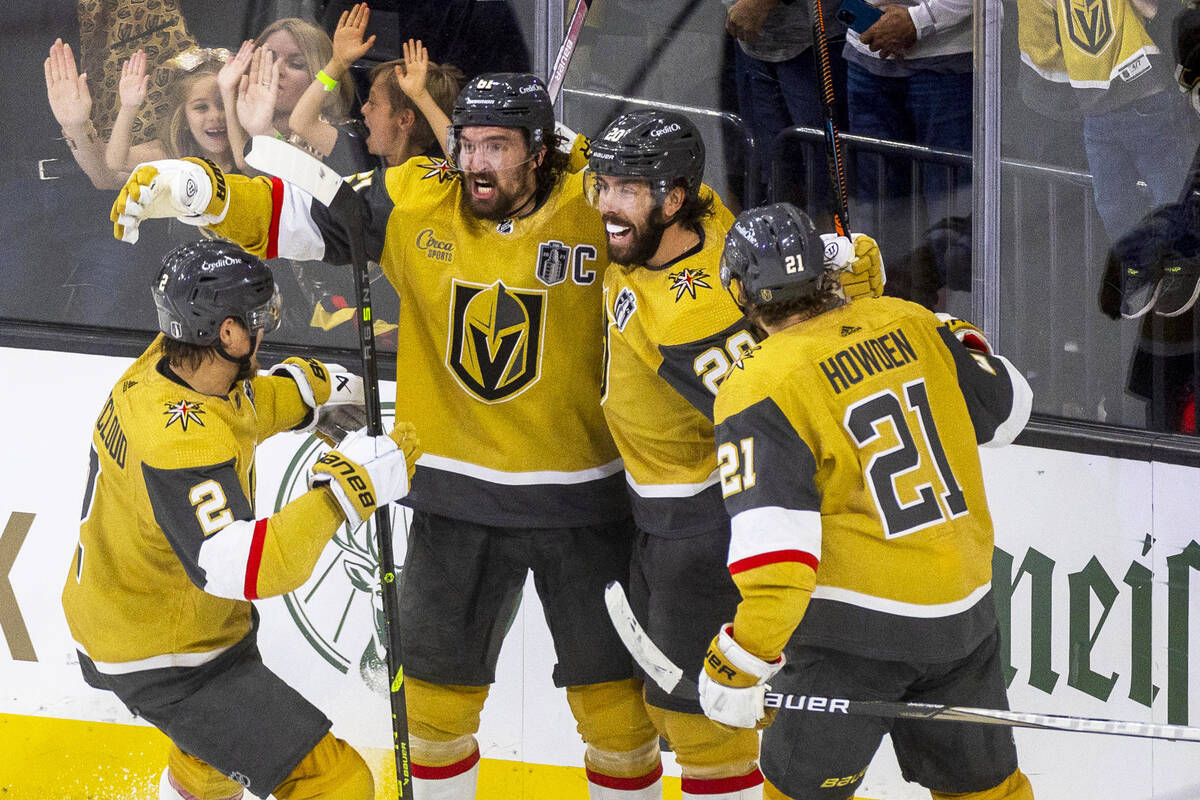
x=716, y=763
x=442, y=724
x=188, y=778
x=1014, y=787
x=622, y=756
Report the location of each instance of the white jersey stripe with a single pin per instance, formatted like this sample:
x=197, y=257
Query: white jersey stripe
x=154, y=662
x=299, y=236
x=769, y=529
x=899, y=608
x=223, y=557
x=1022, y=406
x=656, y=490
x=519, y=478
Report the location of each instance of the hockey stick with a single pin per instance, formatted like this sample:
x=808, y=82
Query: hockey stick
x=833, y=143
x=558, y=72
x=671, y=680
x=274, y=157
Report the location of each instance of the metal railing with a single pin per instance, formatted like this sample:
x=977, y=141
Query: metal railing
x=1052, y=249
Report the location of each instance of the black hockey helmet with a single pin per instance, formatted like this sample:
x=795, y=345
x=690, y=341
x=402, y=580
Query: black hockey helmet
x=661, y=146
x=505, y=100
x=203, y=283
x=775, y=253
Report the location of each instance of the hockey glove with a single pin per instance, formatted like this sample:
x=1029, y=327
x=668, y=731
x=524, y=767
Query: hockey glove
x=190, y=189
x=368, y=471
x=345, y=411
x=733, y=683
x=312, y=380
x=334, y=395
x=966, y=333
x=858, y=257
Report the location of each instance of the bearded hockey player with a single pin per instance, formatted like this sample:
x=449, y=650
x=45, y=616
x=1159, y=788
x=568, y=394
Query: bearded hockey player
x=672, y=336
x=498, y=262
x=170, y=555
x=861, y=540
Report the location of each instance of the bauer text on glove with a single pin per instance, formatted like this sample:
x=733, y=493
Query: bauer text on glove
x=367, y=471
x=733, y=683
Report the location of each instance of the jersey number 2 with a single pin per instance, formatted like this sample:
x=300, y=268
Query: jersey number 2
x=208, y=498
x=865, y=420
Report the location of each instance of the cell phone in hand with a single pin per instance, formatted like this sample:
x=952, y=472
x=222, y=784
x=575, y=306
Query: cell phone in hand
x=857, y=15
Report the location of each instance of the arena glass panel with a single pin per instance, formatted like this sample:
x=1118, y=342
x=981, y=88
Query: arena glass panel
x=1053, y=225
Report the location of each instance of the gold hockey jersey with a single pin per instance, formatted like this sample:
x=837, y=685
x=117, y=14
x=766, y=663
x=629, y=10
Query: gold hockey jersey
x=672, y=335
x=1094, y=55
x=169, y=554
x=499, y=345
x=848, y=444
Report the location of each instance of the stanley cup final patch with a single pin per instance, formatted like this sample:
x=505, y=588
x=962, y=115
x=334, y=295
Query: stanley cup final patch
x=554, y=257
x=495, y=346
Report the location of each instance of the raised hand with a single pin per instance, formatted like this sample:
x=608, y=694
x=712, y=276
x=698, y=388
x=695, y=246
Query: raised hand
x=232, y=70
x=348, y=44
x=134, y=81
x=66, y=89
x=411, y=75
x=257, y=91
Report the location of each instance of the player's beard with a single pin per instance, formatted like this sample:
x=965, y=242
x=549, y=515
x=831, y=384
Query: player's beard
x=504, y=202
x=643, y=239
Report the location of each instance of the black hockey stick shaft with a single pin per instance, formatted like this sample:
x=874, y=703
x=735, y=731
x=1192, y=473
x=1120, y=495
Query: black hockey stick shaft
x=383, y=520
x=558, y=71
x=833, y=142
x=274, y=157
x=670, y=678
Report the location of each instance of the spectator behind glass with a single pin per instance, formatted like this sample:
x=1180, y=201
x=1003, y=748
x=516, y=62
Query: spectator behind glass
x=71, y=103
x=909, y=79
x=408, y=110
x=109, y=33
x=266, y=87
x=473, y=35
x=1118, y=77
x=409, y=98
x=778, y=85
x=1155, y=266
x=195, y=123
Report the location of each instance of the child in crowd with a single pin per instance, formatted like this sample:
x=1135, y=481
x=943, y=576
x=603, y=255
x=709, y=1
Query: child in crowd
x=197, y=124
x=407, y=110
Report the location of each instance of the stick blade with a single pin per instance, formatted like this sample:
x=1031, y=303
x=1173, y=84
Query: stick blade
x=282, y=160
x=647, y=655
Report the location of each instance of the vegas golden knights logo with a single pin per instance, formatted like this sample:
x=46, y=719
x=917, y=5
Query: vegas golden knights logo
x=495, y=344
x=1089, y=24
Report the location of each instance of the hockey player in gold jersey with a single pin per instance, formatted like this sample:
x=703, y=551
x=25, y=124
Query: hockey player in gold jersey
x=672, y=335
x=170, y=553
x=498, y=261
x=861, y=540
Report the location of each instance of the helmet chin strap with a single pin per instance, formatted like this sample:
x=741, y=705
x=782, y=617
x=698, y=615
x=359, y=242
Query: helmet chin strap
x=243, y=363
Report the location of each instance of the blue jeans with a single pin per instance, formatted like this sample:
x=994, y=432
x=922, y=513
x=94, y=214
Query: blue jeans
x=1151, y=139
x=777, y=95
x=926, y=108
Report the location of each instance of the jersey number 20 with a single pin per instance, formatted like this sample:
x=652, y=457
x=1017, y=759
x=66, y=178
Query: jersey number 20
x=865, y=421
